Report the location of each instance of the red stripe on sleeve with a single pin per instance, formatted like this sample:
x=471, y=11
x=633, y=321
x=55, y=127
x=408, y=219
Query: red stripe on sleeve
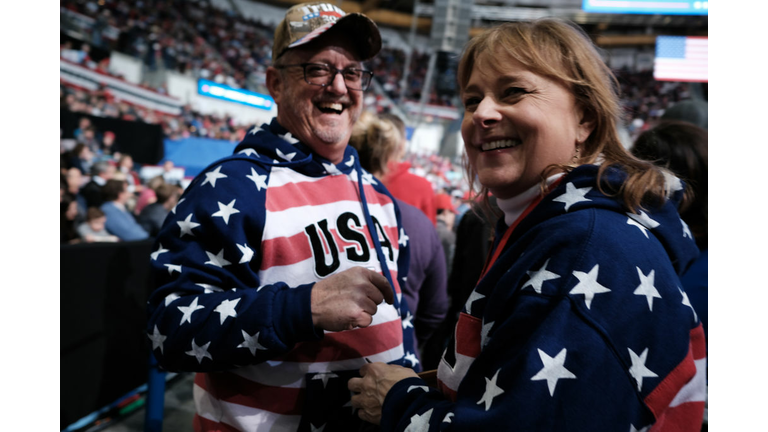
x=233, y=388
x=351, y=344
x=468, y=335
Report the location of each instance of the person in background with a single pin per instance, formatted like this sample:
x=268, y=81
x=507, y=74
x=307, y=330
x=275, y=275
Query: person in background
x=81, y=157
x=271, y=269
x=120, y=221
x=377, y=141
x=125, y=166
x=691, y=111
x=94, y=228
x=446, y=216
x=404, y=185
x=681, y=147
x=108, y=147
x=147, y=195
x=578, y=322
x=152, y=216
x=101, y=172
x=67, y=217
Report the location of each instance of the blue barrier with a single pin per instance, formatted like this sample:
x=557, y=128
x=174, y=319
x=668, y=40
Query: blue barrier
x=194, y=154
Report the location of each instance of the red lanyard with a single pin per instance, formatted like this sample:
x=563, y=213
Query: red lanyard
x=502, y=244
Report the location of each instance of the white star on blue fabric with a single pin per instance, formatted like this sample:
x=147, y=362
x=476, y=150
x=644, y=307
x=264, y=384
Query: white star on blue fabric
x=157, y=339
x=646, y=287
x=187, y=311
x=209, y=288
x=632, y=428
x=537, y=278
x=289, y=138
x=573, y=195
x=419, y=422
x=351, y=161
x=251, y=342
x=491, y=391
x=638, y=369
x=225, y=211
x=472, y=297
x=643, y=229
x=687, y=302
x=414, y=387
x=254, y=130
x=484, y=333
x=159, y=251
x=212, y=176
x=199, y=352
x=247, y=253
x=217, y=260
x=173, y=210
x=170, y=298
x=411, y=357
x=553, y=370
x=287, y=157
x=187, y=225
x=644, y=219
x=447, y=418
x=324, y=377
x=407, y=321
x=173, y=268
x=331, y=169
x=403, y=238
x=588, y=285
x=317, y=429
x=249, y=152
x=686, y=230
x=226, y=309
x=258, y=180
x=368, y=177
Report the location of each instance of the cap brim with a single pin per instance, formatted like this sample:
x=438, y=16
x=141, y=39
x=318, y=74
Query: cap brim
x=359, y=27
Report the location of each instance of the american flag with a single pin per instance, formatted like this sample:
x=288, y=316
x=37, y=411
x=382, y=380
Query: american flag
x=681, y=58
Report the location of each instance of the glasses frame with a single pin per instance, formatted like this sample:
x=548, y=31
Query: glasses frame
x=333, y=74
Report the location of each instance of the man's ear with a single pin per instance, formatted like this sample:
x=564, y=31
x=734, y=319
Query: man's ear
x=275, y=83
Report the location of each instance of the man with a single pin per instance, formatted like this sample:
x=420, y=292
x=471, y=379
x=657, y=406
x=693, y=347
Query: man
x=120, y=221
x=273, y=251
x=101, y=172
x=152, y=216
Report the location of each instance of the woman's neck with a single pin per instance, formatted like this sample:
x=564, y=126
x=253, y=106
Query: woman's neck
x=515, y=206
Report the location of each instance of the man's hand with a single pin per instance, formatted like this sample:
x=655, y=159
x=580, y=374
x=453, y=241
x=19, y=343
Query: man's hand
x=377, y=379
x=349, y=299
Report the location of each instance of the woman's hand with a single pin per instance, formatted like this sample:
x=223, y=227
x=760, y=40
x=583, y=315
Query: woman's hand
x=377, y=379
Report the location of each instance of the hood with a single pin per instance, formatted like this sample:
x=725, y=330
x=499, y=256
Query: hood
x=273, y=145
x=663, y=221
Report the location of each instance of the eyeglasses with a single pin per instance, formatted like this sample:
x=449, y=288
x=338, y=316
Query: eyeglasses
x=322, y=75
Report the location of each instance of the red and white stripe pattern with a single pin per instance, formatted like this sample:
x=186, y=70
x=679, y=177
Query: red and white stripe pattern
x=269, y=395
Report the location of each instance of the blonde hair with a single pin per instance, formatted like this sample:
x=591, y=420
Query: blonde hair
x=560, y=50
x=376, y=140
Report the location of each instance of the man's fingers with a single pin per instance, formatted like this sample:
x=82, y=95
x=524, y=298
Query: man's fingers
x=382, y=284
x=355, y=384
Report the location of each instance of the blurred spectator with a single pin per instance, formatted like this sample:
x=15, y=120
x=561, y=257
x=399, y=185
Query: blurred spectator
x=81, y=158
x=120, y=221
x=692, y=111
x=67, y=230
x=147, y=195
x=101, y=172
x=74, y=181
x=108, y=148
x=83, y=124
x=446, y=216
x=152, y=216
x=125, y=166
x=93, y=229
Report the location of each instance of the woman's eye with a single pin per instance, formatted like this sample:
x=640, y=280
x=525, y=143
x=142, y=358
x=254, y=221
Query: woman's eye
x=513, y=91
x=471, y=102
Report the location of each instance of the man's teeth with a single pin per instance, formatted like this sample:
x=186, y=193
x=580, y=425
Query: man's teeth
x=493, y=145
x=333, y=106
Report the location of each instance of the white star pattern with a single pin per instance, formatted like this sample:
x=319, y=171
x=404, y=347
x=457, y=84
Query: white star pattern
x=288, y=137
x=217, y=260
x=573, y=195
x=187, y=225
x=646, y=287
x=225, y=211
x=157, y=339
x=187, y=311
x=226, y=309
x=553, y=370
x=351, y=161
x=159, y=251
x=199, y=352
x=324, y=377
x=212, y=176
x=687, y=302
x=472, y=297
x=209, y=288
x=403, y=238
x=259, y=180
x=491, y=391
x=638, y=369
x=686, y=230
x=173, y=210
x=368, y=177
x=407, y=321
x=447, y=418
x=419, y=422
x=411, y=357
x=251, y=342
x=425, y=388
x=247, y=253
x=317, y=429
x=170, y=298
x=632, y=428
x=633, y=222
x=484, y=333
x=249, y=151
x=671, y=183
x=644, y=219
x=588, y=285
x=539, y=277
x=287, y=157
x=254, y=130
x=173, y=268
x=331, y=169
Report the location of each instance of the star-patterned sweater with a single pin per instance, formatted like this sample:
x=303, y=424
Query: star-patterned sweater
x=234, y=266
x=581, y=324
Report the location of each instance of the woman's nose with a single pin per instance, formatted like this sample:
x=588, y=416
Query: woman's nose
x=487, y=113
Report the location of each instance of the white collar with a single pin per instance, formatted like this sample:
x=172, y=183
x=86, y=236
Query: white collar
x=515, y=206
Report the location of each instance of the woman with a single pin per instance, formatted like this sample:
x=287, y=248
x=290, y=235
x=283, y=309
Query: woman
x=578, y=322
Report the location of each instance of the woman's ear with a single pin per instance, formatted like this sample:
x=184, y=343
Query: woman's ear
x=586, y=124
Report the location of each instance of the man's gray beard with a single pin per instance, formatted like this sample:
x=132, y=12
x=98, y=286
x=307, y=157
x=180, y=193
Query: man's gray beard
x=329, y=137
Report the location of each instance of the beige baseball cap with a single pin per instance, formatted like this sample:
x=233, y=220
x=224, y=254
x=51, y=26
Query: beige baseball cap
x=306, y=21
